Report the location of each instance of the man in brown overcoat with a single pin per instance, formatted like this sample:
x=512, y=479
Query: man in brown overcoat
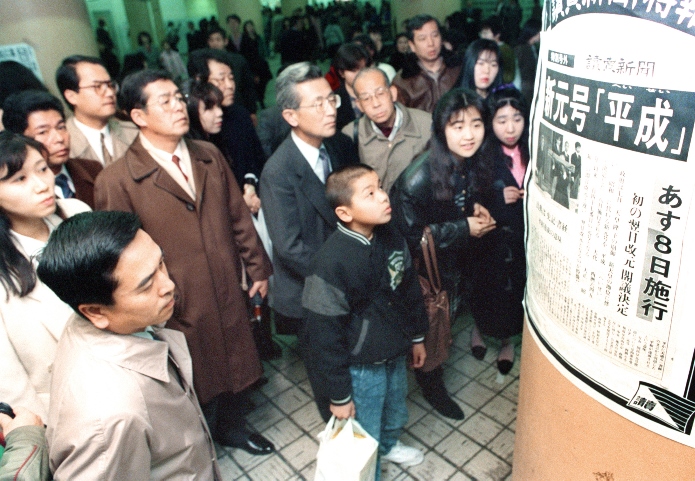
x=190, y=204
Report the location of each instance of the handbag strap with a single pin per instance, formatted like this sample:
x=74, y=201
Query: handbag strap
x=429, y=255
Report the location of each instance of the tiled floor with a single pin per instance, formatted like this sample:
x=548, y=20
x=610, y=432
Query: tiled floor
x=478, y=448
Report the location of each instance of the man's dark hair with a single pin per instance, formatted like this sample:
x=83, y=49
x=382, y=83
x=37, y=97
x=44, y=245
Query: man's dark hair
x=215, y=29
x=142, y=35
x=494, y=23
x=233, y=16
x=20, y=105
x=198, y=62
x=349, y=56
x=417, y=22
x=577, y=144
x=82, y=253
x=132, y=94
x=339, y=189
x=66, y=75
x=15, y=77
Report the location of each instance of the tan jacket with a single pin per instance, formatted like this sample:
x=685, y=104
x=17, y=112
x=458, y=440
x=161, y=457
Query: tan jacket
x=121, y=410
x=390, y=158
x=204, y=242
x=30, y=327
x=122, y=133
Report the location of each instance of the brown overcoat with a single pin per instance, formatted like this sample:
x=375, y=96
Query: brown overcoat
x=203, y=243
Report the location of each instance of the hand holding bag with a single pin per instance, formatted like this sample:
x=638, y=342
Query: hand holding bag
x=438, y=337
x=346, y=452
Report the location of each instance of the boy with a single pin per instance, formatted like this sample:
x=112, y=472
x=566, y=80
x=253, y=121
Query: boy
x=364, y=312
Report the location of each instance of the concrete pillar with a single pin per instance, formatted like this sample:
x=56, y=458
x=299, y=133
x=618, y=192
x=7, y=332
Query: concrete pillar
x=562, y=433
x=144, y=17
x=245, y=9
x=404, y=9
x=289, y=6
x=54, y=29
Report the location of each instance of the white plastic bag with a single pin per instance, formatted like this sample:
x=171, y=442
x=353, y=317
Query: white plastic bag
x=346, y=452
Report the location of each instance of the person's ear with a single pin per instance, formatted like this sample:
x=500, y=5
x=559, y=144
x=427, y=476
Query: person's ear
x=96, y=314
x=411, y=44
x=394, y=92
x=138, y=117
x=344, y=214
x=290, y=116
x=71, y=96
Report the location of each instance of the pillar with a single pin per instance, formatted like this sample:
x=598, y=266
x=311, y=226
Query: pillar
x=144, y=17
x=404, y=9
x=289, y=6
x=54, y=29
x=562, y=433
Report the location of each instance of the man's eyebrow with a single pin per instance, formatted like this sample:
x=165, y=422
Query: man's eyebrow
x=147, y=279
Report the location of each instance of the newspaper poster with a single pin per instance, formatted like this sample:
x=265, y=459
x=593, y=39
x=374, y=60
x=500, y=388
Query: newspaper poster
x=21, y=53
x=610, y=244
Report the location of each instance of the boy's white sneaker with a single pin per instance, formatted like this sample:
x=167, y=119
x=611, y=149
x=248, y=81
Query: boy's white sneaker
x=404, y=455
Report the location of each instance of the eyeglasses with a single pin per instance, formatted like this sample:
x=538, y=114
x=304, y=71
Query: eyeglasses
x=379, y=93
x=101, y=87
x=320, y=103
x=168, y=102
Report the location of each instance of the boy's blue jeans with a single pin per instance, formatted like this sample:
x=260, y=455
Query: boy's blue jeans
x=379, y=391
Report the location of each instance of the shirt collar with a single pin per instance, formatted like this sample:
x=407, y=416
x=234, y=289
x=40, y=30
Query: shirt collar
x=309, y=152
x=396, y=125
x=355, y=235
x=163, y=154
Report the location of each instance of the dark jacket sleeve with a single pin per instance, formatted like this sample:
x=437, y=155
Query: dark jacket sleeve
x=327, y=314
x=414, y=207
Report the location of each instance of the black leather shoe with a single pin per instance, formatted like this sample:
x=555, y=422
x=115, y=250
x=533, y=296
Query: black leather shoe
x=252, y=443
x=479, y=352
x=444, y=405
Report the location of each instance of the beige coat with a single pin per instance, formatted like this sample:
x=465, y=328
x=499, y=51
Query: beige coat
x=204, y=242
x=390, y=157
x=122, y=133
x=30, y=327
x=121, y=410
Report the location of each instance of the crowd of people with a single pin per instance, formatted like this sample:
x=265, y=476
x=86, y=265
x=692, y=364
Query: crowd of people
x=141, y=232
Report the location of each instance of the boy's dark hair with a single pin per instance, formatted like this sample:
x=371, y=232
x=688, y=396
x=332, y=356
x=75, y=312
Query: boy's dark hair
x=339, y=184
x=20, y=105
x=577, y=144
x=66, y=75
x=133, y=89
x=233, y=16
x=349, y=56
x=417, y=22
x=198, y=62
x=82, y=253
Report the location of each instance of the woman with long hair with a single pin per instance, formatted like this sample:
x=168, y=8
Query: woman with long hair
x=254, y=49
x=482, y=67
x=32, y=317
x=499, y=259
x=440, y=190
x=204, y=104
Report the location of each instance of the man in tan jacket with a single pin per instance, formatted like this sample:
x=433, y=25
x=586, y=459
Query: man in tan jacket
x=389, y=135
x=123, y=405
x=90, y=93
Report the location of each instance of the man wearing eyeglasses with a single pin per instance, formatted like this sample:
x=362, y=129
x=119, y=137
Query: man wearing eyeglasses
x=292, y=189
x=189, y=202
x=90, y=93
x=389, y=135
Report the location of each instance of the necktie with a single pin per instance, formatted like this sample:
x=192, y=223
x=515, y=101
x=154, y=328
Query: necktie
x=105, y=152
x=325, y=162
x=62, y=182
x=177, y=161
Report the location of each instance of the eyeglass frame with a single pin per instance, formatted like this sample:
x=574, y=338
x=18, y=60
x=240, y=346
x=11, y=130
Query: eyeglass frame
x=101, y=86
x=375, y=93
x=320, y=103
x=167, y=105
